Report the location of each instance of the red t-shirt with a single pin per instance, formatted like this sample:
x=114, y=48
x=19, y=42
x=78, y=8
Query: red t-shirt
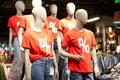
x=54, y=24
x=67, y=24
x=13, y=23
x=39, y=43
x=79, y=43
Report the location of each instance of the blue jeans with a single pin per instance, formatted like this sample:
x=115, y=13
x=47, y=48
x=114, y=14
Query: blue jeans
x=81, y=76
x=17, y=52
x=101, y=64
x=108, y=61
x=41, y=69
x=65, y=71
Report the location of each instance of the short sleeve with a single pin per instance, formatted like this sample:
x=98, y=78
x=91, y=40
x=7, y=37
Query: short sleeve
x=9, y=23
x=66, y=40
x=60, y=26
x=22, y=23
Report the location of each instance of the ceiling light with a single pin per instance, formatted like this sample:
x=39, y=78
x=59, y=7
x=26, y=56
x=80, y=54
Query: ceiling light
x=93, y=19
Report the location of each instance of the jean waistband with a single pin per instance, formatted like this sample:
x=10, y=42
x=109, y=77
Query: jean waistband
x=43, y=60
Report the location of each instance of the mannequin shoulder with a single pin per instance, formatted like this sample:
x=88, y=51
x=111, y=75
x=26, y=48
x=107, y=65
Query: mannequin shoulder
x=29, y=16
x=89, y=31
x=63, y=20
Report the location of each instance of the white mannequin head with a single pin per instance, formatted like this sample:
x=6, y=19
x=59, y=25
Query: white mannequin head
x=53, y=9
x=36, y=3
x=70, y=7
x=39, y=13
x=19, y=5
x=81, y=16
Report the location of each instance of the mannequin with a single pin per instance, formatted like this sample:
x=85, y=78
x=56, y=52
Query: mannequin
x=85, y=49
x=53, y=26
x=41, y=53
x=28, y=20
x=25, y=24
x=13, y=24
x=67, y=24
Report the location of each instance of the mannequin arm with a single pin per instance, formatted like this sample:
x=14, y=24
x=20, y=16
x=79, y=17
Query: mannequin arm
x=20, y=35
x=27, y=61
x=94, y=57
x=55, y=66
x=10, y=40
x=62, y=50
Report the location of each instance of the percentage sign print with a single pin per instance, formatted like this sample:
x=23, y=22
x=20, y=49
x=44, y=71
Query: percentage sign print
x=82, y=43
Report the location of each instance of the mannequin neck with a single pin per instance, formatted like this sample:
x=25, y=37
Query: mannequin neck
x=38, y=25
x=79, y=26
x=71, y=16
x=53, y=15
x=19, y=13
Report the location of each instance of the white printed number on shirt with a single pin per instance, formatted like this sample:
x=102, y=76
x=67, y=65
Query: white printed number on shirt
x=82, y=43
x=43, y=44
x=52, y=25
x=18, y=23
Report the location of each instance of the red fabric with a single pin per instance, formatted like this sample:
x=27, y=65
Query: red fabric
x=53, y=25
x=67, y=24
x=39, y=43
x=79, y=43
x=13, y=23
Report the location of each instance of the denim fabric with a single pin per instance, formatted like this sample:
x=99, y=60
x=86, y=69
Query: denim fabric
x=101, y=64
x=118, y=58
x=81, y=76
x=17, y=52
x=57, y=54
x=40, y=69
x=65, y=70
x=111, y=60
x=108, y=60
x=115, y=59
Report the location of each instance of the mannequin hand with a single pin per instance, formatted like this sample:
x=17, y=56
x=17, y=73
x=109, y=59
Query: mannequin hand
x=56, y=74
x=78, y=57
x=22, y=49
x=96, y=70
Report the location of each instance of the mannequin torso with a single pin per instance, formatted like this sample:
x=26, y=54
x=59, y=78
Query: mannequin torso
x=13, y=24
x=42, y=49
x=69, y=22
x=74, y=37
x=28, y=20
x=53, y=21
